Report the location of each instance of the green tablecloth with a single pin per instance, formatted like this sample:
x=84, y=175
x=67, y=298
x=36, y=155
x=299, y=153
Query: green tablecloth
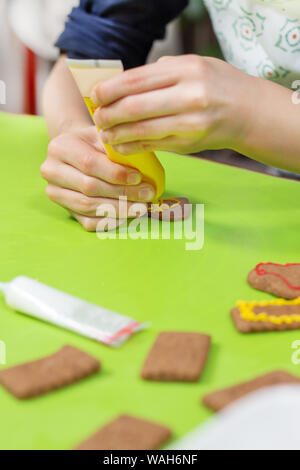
x=248, y=218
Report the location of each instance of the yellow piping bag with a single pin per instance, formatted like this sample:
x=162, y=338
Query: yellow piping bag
x=87, y=73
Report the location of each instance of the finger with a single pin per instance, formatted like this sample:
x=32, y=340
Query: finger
x=137, y=80
x=181, y=125
x=65, y=176
x=91, y=206
x=169, y=144
x=91, y=162
x=151, y=129
x=97, y=224
x=138, y=107
x=68, y=177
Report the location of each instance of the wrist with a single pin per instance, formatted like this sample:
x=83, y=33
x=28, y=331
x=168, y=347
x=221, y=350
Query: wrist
x=74, y=125
x=272, y=132
x=245, y=112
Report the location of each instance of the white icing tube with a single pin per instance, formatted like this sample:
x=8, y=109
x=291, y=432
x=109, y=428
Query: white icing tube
x=51, y=305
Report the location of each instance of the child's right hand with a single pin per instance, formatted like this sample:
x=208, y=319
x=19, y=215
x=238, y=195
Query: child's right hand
x=81, y=177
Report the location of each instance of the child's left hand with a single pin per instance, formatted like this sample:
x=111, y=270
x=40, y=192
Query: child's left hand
x=183, y=104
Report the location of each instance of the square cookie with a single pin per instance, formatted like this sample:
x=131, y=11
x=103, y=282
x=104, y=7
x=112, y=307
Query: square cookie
x=219, y=399
x=127, y=433
x=66, y=366
x=177, y=356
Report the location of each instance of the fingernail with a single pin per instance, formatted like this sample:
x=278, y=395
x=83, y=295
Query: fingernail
x=94, y=98
x=133, y=178
x=146, y=194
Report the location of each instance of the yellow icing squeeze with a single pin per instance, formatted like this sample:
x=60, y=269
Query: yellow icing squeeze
x=87, y=74
x=246, y=311
x=162, y=206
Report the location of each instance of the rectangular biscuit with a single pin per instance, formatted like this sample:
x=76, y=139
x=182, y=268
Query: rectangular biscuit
x=221, y=398
x=66, y=366
x=127, y=433
x=177, y=356
x=274, y=311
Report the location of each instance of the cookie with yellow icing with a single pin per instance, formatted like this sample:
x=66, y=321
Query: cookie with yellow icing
x=275, y=315
x=170, y=209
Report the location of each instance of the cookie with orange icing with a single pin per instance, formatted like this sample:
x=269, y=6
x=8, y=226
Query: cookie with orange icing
x=282, y=280
x=274, y=315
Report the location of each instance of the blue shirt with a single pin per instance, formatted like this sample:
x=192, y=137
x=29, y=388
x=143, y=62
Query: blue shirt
x=117, y=29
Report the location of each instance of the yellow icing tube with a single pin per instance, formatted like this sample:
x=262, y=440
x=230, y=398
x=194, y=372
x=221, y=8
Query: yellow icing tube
x=87, y=74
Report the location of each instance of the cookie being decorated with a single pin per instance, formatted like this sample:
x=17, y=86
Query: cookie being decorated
x=170, y=209
x=275, y=315
x=282, y=280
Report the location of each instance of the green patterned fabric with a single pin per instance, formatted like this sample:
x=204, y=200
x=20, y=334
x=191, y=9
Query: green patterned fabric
x=262, y=38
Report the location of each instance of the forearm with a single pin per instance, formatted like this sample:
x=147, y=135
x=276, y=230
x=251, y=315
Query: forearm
x=63, y=106
x=272, y=126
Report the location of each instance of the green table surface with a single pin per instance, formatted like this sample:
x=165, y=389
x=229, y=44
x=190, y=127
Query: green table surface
x=249, y=218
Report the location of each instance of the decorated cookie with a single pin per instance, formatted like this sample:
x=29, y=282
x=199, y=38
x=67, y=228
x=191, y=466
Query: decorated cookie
x=282, y=280
x=170, y=209
x=275, y=315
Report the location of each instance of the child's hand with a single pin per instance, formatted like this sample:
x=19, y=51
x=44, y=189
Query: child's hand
x=81, y=177
x=183, y=104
